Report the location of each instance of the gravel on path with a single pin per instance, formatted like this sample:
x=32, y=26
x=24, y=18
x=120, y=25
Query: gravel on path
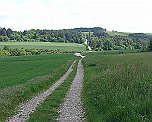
x=72, y=108
x=24, y=110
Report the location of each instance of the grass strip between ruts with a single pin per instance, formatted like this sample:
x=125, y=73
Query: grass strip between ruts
x=49, y=109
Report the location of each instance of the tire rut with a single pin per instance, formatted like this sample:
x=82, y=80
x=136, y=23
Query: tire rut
x=72, y=108
x=24, y=110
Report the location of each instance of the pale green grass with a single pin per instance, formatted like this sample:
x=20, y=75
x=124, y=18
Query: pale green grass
x=122, y=33
x=149, y=33
x=44, y=45
x=118, y=33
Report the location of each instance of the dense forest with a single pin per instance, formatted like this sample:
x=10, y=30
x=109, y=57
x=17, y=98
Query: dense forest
x=97, y=38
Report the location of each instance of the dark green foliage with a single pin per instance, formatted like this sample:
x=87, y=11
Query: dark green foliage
x=7, y=51
x=3, y=32
x=138, y=35
x=95, y=29
x=9, y=32
x=4, y=39
x=150, y=45
x=6, y=48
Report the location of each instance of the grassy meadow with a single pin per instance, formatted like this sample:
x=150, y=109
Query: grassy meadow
x=23, y=77
x=118, y=87
x=113, y=33
x=18, y=70
x=44, y=45
x=109, y=52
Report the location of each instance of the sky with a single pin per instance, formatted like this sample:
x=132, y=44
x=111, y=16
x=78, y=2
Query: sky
x=118, y=15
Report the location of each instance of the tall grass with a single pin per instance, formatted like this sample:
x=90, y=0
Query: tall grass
x=118, y=87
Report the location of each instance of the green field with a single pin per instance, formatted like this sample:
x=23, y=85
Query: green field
x=118, y=87
x=107, y=52
x=18, y=70
x=44, y=45
x=23, y=77
x=114, y=33
x=117, y=33
x=149, y=33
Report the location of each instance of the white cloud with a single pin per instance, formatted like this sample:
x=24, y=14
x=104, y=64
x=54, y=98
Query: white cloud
x=120, y=15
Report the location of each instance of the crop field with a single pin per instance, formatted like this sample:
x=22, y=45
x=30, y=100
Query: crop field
x=122, y=33
x=118, y=87
x=23, y=77
x=44, y=45
x=117, y=33
x=18, y=70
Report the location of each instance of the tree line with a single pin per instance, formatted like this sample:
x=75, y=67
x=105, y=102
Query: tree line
x=97, y=37
x=7, y=51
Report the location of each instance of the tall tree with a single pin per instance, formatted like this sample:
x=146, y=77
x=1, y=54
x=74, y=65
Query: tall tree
x=150, y=46
x=9, y=32
x=3, y=32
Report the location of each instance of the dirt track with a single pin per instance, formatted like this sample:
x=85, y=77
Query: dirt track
x=72, y=108
x=24, y=110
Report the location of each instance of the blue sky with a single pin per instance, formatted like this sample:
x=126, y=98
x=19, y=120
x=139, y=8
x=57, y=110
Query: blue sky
x=119, y=15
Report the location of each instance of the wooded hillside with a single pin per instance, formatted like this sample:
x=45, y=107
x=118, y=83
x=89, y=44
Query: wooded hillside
x=97, y=37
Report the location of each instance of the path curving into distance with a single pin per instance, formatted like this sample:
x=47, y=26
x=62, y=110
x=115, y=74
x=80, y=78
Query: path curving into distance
x=72, y=108
x=26, y=109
